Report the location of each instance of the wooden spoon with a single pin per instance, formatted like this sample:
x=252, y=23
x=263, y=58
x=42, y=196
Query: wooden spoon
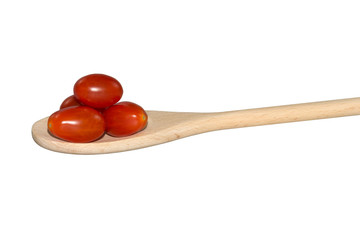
x=168, y=126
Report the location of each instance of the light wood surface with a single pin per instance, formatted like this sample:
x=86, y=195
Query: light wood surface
x=168, y=126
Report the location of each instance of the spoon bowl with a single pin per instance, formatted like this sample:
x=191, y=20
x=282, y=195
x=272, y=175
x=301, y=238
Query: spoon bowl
x=162, y=127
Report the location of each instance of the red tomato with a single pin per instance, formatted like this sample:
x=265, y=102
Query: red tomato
x=124, y=119
x=77, y=124
x=70, y=102
x=98, y=90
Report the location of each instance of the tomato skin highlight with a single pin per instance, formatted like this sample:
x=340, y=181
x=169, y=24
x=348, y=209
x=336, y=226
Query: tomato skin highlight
x=98, y=90
x=79, y=124
x=124, y=119
x=70, y=102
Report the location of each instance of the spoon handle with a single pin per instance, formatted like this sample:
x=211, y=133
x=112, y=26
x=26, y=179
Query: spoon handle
x=284, y=114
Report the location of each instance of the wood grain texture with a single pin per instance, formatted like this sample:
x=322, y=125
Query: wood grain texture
x=168, y=126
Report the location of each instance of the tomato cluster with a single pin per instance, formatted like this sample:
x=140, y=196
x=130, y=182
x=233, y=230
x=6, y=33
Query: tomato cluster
x=94, y=110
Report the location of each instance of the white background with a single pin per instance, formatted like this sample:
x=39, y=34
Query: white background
x=287, y=181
